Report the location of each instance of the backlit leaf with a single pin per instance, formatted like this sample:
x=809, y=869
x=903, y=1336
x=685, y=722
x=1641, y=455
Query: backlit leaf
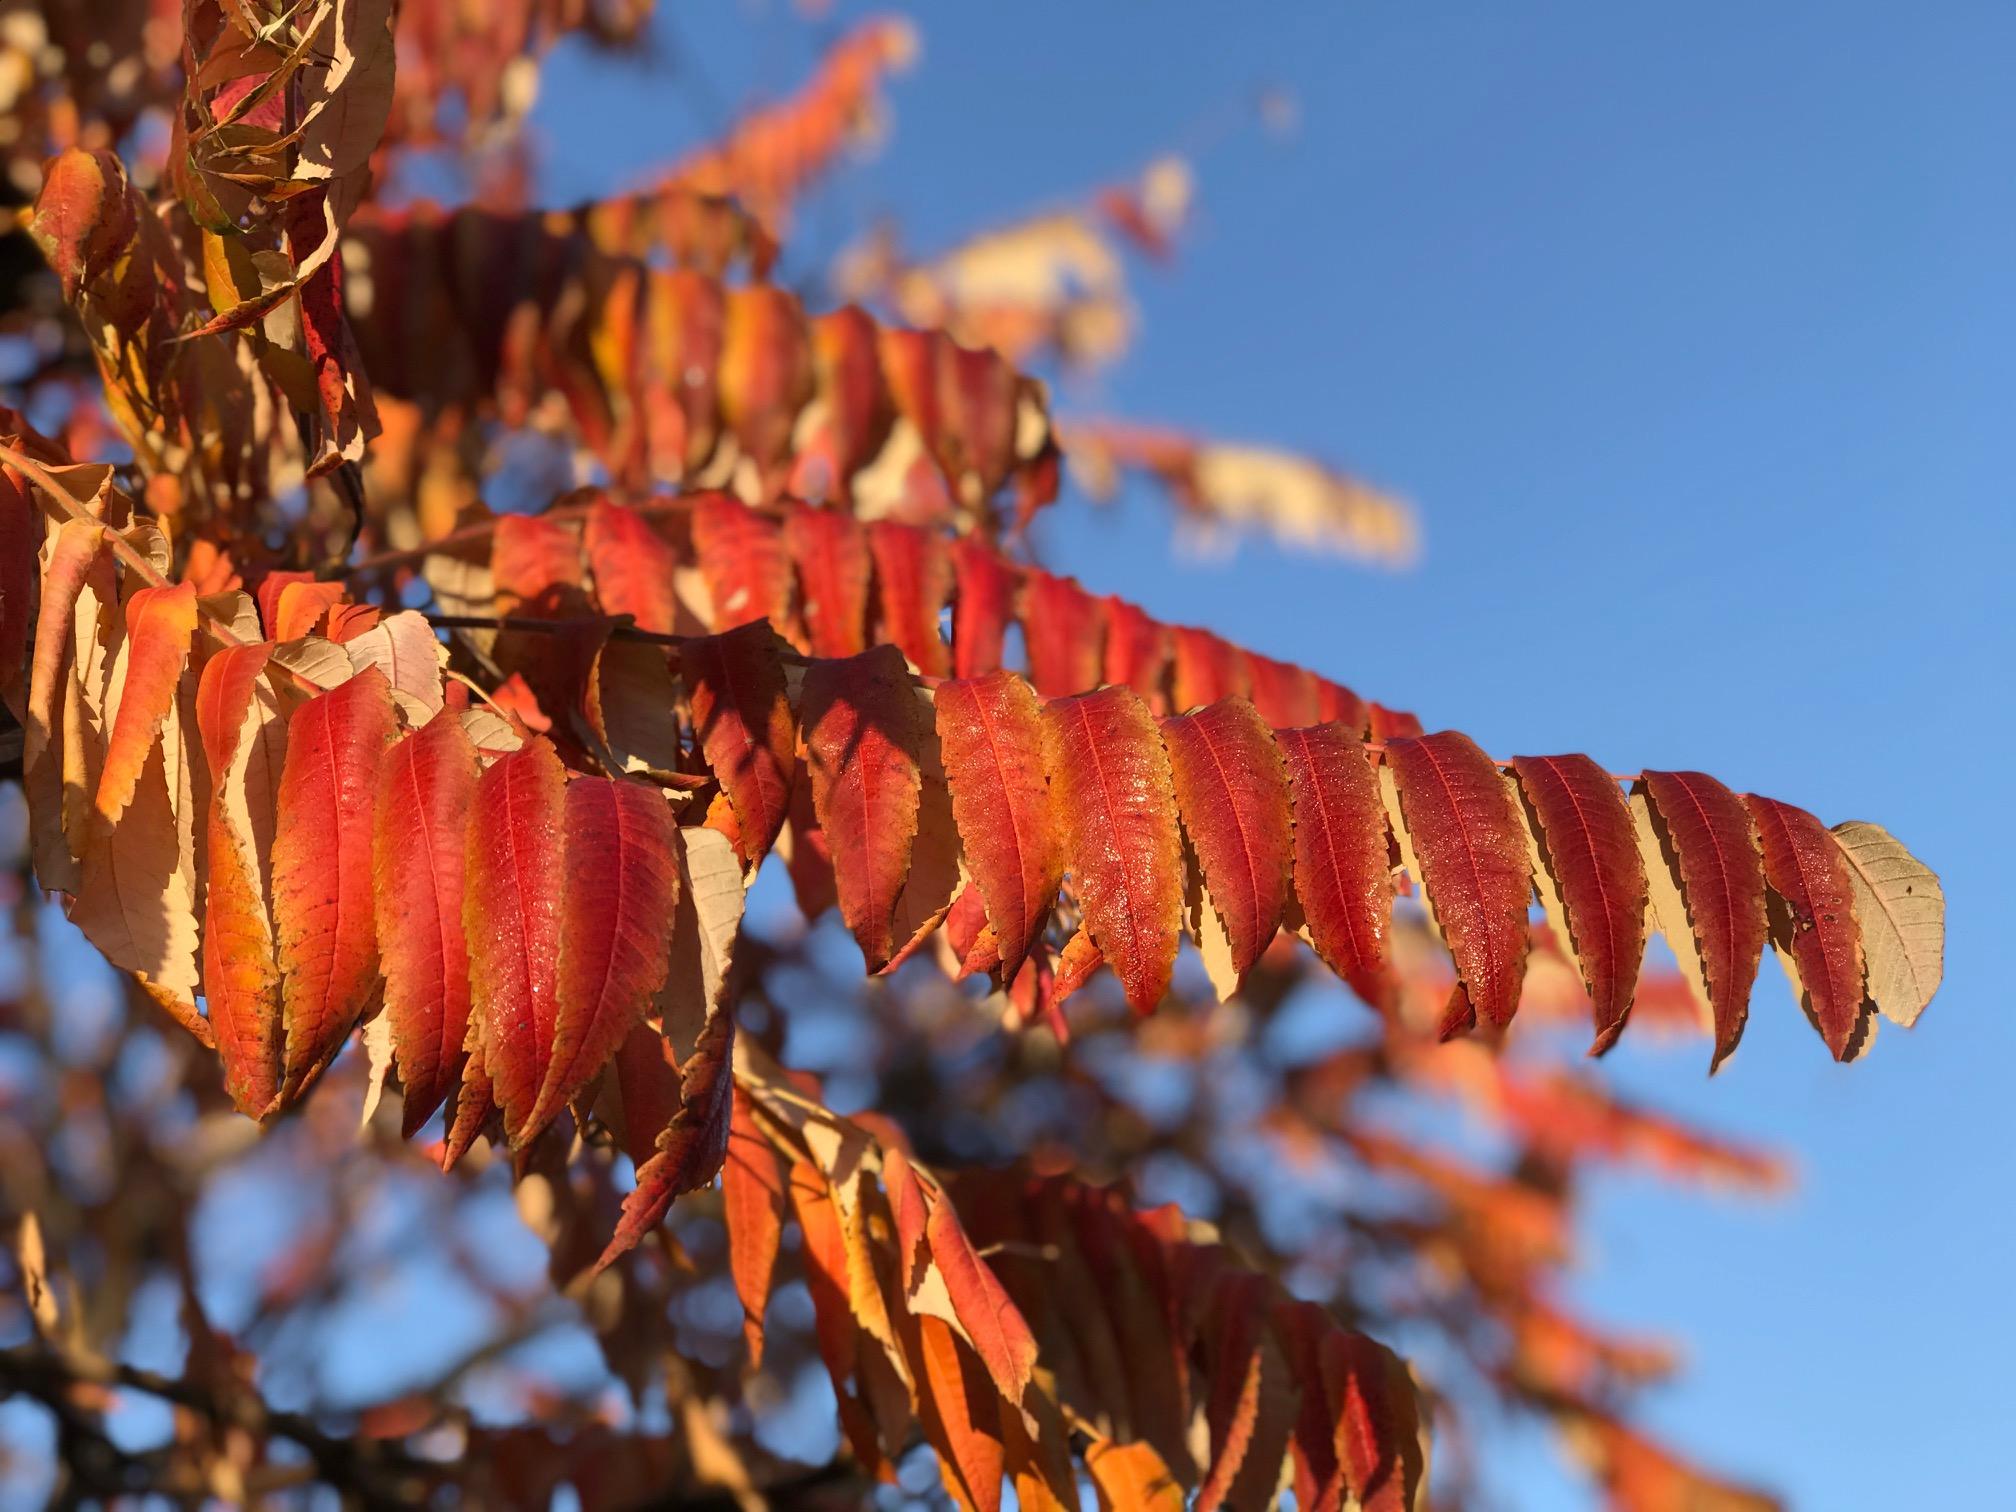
x=1707, y=878
x=619, y=887
x=863, y=730
x=1591, y=877
x=742, y=724
x=1232, y=794
x=511, y=914
x=1902, y=910
x=1459, y=819
x=1811, y=917
x=990, y=731
x=160, y=623
x=419, y=854
x=1343, y=878
x=323, y=914
x=1120, y=838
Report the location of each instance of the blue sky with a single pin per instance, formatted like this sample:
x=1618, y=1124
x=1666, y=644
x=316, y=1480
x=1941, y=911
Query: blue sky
x=1691, y=331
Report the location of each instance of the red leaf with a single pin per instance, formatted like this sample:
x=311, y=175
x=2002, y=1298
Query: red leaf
x=535, y=565
x=913, y=579
x=1714, y=851
x=848, y=377
x=1249, y=1412
x=419, y=850
x=986, y=598
x=1813, y=921
x=832, y=557
x=864, y=727
x=160, y=624
x=633, y=565
x=1208, y=668
x=1120, y=838
x=742, y=559
x=1475, y=872
x=742, y=721
x=1390, y=724
x=999, y=1333
x=322, y=885
x=1061, y=625
x=1337, y=704
x=647, y=1088
x=241, y=977
x=1137, y=650
x=753, y=1203
x=1589, y=848
x=990, y=733
x=511, y=911
x=1343, y=876
x=1232, y=793
x=694, y=1144
x=619, y=888
x=1287, y=696
x=1378, y=1422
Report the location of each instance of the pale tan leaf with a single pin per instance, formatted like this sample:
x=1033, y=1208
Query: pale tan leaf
x=403, y=646
x=1902, y=909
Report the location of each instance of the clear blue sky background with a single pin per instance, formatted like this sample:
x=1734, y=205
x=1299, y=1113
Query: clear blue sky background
x=1691, y=329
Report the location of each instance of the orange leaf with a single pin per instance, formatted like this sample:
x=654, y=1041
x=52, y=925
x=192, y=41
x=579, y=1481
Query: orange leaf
x=241, y=977
x=961, y=1417
x=753, y=1204
x=988, y=1315
x=160, y=624
x=1132, y=1478
x=322, y=882
x=1120, y=838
